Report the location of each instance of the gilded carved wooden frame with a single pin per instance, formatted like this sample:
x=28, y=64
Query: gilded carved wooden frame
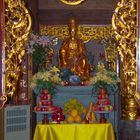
x=17, y=27
x=125, y=24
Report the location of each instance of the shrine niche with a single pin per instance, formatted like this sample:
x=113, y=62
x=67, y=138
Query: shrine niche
x=94, y=37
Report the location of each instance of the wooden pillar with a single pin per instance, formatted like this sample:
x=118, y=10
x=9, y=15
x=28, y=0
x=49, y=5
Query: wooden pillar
x=33, y=7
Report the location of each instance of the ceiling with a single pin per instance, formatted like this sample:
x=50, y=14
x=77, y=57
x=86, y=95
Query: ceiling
x=93, y=12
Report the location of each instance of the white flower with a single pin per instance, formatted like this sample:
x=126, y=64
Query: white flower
x=33, y=36
x=31, y=42
x=55, y=41
x=30, y=50
x=36, y=40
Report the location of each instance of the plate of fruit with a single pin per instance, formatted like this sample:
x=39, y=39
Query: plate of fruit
x=74, y=111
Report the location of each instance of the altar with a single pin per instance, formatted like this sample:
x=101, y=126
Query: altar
x=84, y=94
x=74, y=132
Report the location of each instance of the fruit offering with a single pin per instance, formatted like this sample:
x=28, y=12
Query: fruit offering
x=103, y=103
x=74, y=110
x=45, y=104
x=58, y=116
x=45, y=107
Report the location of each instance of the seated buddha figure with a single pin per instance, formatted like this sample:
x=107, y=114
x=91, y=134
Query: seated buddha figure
x=72, y=54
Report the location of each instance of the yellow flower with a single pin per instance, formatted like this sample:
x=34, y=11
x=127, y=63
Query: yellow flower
x=101, y=67
x=33, y=85
x=54, y=79
x=51, y=75
x=104, y=75
x=54, y=69
x=46, y=76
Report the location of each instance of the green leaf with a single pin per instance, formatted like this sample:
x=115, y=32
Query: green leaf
x=41, y=85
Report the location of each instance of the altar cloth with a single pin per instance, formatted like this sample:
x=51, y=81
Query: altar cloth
x=74, y=132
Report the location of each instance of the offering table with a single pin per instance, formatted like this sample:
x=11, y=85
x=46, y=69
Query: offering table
x=74, y=132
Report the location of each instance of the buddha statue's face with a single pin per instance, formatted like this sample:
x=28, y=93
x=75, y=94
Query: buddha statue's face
x=72, y=28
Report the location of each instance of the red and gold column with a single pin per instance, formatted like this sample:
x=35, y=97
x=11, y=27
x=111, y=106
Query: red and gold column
x=17, y=28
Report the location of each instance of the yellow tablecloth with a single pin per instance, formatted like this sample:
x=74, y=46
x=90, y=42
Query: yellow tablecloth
x=74, y=132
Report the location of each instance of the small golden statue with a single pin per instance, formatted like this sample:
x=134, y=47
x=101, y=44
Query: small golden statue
x=90, y=116
x=72, y=54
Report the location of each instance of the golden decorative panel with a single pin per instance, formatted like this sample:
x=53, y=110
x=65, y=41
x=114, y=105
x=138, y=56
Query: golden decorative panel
x=85, y=32
x=72, y=2
x=17, y=28
x=124, y=22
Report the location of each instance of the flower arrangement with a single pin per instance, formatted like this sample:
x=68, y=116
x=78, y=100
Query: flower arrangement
x=40, y=47
x=46, y=80
x=104, y=79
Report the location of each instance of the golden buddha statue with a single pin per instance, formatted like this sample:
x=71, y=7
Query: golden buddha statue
x=72, y=54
